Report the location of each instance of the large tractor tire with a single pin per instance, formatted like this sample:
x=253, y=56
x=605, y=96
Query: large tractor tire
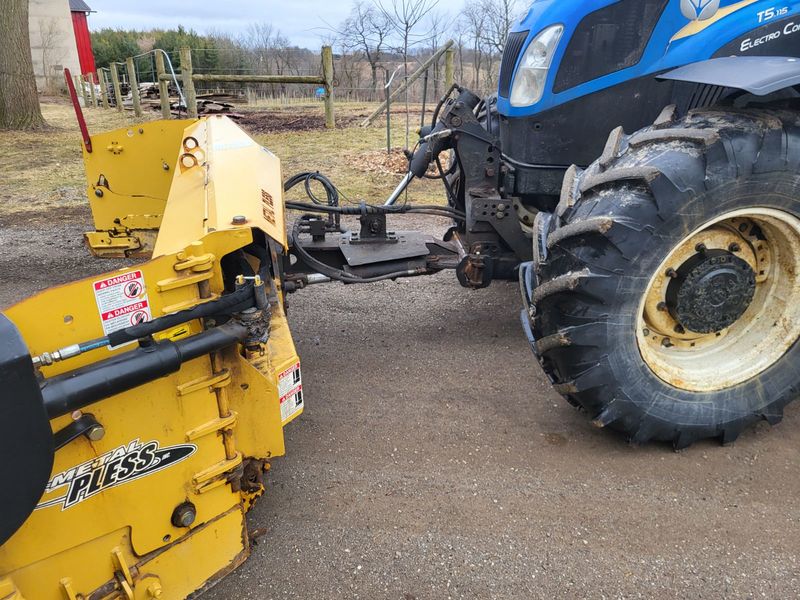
x=666, y=299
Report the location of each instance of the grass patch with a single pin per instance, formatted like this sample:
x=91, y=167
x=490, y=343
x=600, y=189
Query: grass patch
x=44, y=170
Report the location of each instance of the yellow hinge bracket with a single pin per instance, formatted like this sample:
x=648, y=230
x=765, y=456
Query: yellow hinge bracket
x=120, y=564
x=204, y=262
x=219, y=424
x=66, y=587
x=177, y=282
x=203, y=480
x=217, y=380
x=9, y=591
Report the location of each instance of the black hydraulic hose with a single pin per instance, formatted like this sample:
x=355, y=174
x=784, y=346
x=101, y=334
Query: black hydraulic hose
x=237, y=301
x=306, y=178
x=71, y=391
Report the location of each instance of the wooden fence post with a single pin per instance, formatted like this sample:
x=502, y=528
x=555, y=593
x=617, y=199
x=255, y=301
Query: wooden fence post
x=188, y=82
x=84, y=91
x=327, y=75
x=115, y=83
x=449, y=67
x=92, y=90
x=134, y=83
x=101, y=80
x=163, y=86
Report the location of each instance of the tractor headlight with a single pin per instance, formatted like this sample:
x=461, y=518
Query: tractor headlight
x=533, y=68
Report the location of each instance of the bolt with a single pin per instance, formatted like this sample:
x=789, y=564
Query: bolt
x=165, y=166
x=96, y=433
x=666, y=343
x=679, y=328
x=184, y=515
x=646, y=332
x=456, y=121
x=662, y=306
x=239, y=220
x=98, y=192
x=671, y=273
x=734, y=247
x=701, y=247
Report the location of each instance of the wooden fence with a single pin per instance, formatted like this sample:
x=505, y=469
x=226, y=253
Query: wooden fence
x=110, y=82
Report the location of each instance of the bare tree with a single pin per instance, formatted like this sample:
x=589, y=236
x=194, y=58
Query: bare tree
x=19, y=103
x=405, y=15
x=437, y=29
x=366, y=31
x=473, y=20
x=499, y=16
x=49, y=31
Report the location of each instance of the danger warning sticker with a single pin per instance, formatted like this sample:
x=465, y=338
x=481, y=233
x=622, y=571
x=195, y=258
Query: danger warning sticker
x=290, y=390
x=122, y=301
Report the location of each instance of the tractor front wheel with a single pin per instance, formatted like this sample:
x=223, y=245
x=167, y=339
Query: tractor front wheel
x=667, y=297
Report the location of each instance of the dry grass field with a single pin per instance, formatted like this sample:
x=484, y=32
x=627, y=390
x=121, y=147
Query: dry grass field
x=44, y=169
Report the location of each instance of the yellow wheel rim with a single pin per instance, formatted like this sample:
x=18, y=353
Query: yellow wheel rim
x=685, y=353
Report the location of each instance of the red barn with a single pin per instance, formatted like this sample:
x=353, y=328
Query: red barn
x=80, y=10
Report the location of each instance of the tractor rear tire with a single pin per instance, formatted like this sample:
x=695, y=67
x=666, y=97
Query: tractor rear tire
x=710, y=201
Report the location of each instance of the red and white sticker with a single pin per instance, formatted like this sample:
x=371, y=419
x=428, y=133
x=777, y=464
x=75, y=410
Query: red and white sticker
x=290, y=390
x=122, y=301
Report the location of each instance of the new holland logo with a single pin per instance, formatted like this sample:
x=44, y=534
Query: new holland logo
x=121, y=465
x=699, y=10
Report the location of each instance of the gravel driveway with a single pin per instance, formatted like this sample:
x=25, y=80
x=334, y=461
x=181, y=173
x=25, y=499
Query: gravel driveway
x=433, y=461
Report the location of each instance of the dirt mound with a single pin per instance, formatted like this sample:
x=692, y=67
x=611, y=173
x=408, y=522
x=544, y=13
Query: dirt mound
x=278, y=121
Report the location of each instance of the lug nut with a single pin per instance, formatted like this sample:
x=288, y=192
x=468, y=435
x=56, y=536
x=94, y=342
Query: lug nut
x=671, y=273
x=734, y=247
x=666, y=343
x=662, y=306
x=679, y=328
x=701, y=247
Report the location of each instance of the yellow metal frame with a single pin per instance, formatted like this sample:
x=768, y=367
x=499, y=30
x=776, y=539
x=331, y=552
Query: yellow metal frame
x=120, y=542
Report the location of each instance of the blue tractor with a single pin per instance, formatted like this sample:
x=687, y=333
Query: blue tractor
x=639, y=171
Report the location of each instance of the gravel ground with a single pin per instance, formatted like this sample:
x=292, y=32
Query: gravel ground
x=433, y=461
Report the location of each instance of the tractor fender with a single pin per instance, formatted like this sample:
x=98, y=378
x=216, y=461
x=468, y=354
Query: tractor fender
x=758, y=75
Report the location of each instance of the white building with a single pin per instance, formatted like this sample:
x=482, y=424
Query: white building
x=53, y=45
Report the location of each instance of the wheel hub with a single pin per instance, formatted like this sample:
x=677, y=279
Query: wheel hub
x=710, y=291
x=722, y=306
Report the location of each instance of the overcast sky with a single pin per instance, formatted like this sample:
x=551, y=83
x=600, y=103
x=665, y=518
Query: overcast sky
x=302, y=21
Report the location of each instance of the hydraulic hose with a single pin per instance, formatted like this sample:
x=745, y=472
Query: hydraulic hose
x=237, y=301
x=73, y=390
